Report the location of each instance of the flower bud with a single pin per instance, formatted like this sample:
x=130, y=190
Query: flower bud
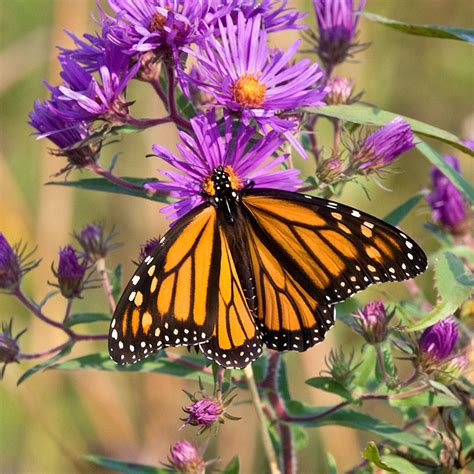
x=379, y=149
x=447, y=202
x=337, y=23
x=437, y=342
x=340, y=90
x=204, y=412
x=9, y=349
x=185, y=458
x=373, y=322
x=95, y=243
x=330, y=170
x=340, y=366
x=10, y=268
x=70, y=273
x=452, y=369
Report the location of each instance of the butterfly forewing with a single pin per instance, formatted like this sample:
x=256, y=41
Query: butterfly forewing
x=330, y=250
x=236, y=340
x=171, y=299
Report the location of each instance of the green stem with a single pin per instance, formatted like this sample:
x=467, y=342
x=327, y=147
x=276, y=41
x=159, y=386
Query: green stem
x=267, y=442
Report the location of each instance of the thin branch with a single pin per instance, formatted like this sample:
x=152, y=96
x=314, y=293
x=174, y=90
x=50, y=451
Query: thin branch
x=97, y=169
x=89, y=337
x=155, y=83
x=37, y=355
x=267, y=442
x=147, y=123
x=38, y=313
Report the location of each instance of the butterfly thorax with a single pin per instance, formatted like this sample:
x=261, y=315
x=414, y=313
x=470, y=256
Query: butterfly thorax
x=222, y=188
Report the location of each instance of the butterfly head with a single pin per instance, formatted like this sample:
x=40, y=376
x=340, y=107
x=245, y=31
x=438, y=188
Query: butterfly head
x=222, y=188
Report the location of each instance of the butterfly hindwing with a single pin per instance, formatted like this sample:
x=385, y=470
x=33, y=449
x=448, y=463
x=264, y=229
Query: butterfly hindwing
x=330, y=250
x=171, y=299
x=289, y=317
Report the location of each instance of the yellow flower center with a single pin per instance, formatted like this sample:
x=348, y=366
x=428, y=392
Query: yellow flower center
x=248, y=91
x=157, y=22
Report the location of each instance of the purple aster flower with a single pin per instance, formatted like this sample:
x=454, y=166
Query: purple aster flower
x=449, y=208
x=67, y=135
x=275, y=14
x=186, y=458
x=210, y=149
x=10, y=267
x=337, y=23
x=154, y=25
x=246, y=77
x=89, y=98
x=90, y=52
x=373, y=322
x=437, y=342
x=381, y=148
x=204, y=412
x=70, y=274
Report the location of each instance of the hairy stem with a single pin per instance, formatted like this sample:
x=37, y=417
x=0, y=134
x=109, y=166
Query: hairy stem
x=381, y=363
x=104, y=276
x=267, y=442
x=174, y=114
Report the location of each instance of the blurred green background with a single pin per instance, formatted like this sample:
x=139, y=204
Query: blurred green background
x=50, y=422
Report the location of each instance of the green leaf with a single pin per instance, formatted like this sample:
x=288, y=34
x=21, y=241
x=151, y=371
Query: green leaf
x=457, y=179
x=426, y=399
x=431, y=31
x=126, y=467
x=371, y=453
x=374, y=116
x=300, y=437
x=365, y=370
x=157, y=364
x=401, y=465
x=116, y=282
x=85, y=318
x=233, y=467
x=332, y=467
x=46, y=363
x=399, y=213
x=449, y=270
x=330, y=385
x=360, y=421
x=103, y=185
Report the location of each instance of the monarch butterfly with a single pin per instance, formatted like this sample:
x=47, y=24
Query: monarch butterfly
x=250, y=267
